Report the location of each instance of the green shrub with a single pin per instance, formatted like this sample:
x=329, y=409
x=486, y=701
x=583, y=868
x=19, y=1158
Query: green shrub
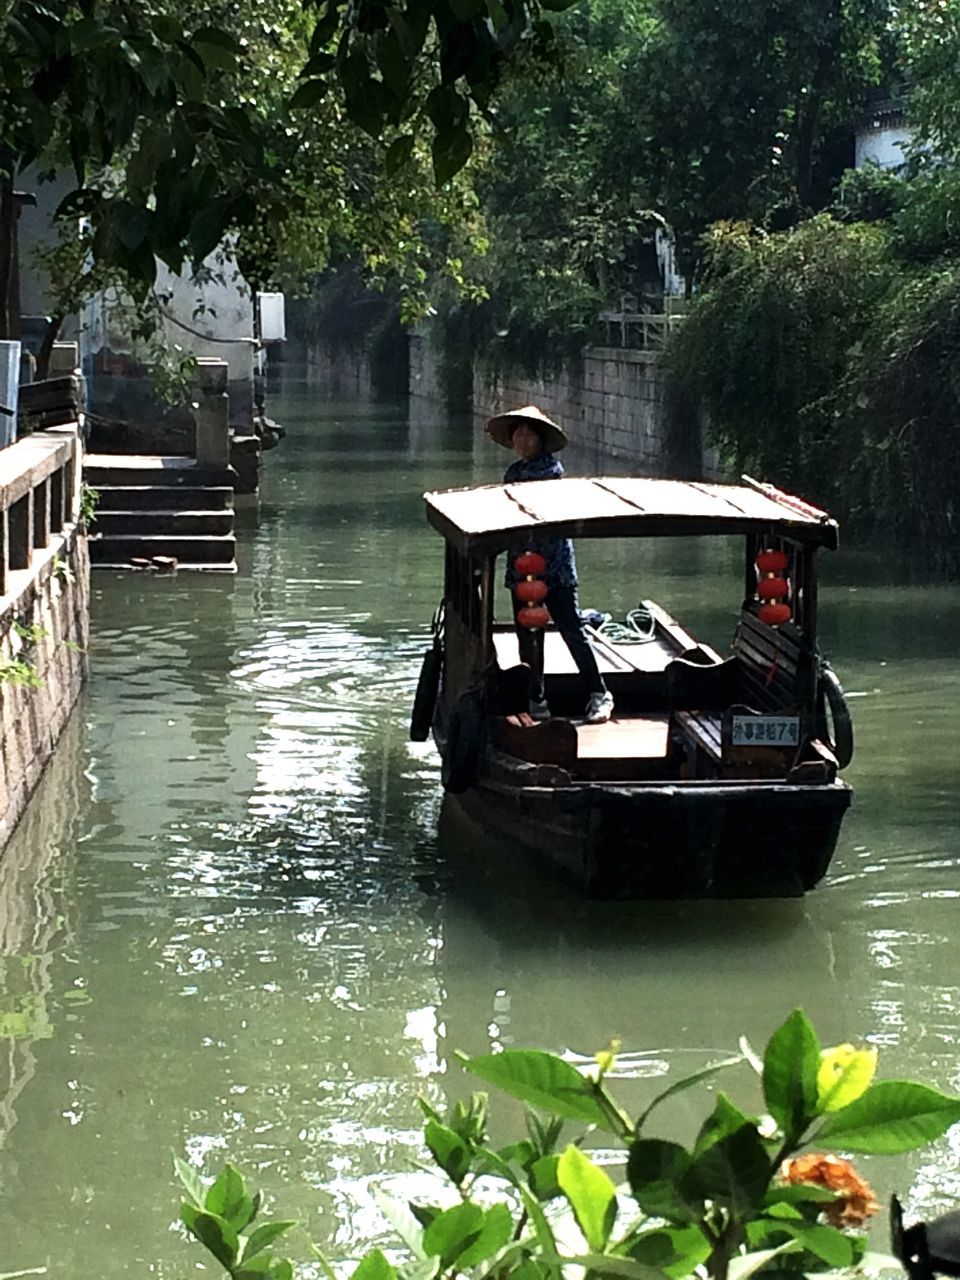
x=738, y=1200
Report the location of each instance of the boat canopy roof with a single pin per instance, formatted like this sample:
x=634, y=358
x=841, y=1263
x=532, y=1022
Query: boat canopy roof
x=490, y=518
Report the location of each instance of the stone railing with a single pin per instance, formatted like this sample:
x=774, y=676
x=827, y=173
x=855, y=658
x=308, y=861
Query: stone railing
x=39, y=497
x=43, y=608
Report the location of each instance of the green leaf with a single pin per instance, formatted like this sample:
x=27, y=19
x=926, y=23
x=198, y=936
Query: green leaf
x=209, y=226
x=542, y=1080
x=89, y=33
x=308, y=94
x=263, y=1237
x=227, y=1198
x=217, y=36
x=734, y=1172
x=393, y=63
x=374, y=1266
x=745, y=1265
x=891, y=1117
x=522, y=1153
x=829, y=1244
x=544, y=1177
x=592, y=1196
x=191, y=1181
x=256, y=1269
x=676, y=1251
x=656, y=1170
x=496, y=1231
x=541, y=1227
x=466, y=10
x=844, y=1075
x=325, y=29
x=607, y=1264
x=453, y=1231
x=167, y=29
x=450, y=1151
x=445, y=108
x=790, y=1065
x=154, y=148
x=450, y=151
x=369, y=105
x=213, y=1232
x=130, y=222
x=318, y=65
x=798, y=1193
x=724, y=1120
x=424, y=1213
x=687, y=1083
x=215, y=55
x=403, y=1222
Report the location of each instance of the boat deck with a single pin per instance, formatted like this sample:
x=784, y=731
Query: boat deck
x=630, y=738
x=650, y=657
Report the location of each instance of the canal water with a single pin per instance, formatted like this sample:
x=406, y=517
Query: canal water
x=238, y=923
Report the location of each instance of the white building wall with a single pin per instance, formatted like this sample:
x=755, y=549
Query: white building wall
x=884, y=145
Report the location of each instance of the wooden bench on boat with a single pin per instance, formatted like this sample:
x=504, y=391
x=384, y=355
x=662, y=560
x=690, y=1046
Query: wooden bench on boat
x=774, y=674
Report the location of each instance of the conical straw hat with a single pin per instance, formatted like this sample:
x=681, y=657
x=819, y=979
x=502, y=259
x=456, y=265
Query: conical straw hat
x=502, y=427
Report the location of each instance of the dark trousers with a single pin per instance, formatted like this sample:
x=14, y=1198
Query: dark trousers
x=562, y=603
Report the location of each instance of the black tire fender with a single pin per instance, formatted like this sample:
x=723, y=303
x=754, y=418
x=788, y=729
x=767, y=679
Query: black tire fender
x=830, y=697
x=425, y=699
x=465, y=743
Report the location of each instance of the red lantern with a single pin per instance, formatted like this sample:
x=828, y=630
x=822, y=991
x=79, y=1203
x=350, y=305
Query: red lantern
x=772, y=561
x=530, y=564
x=773, y=614
x=533, y=616
x=773, y=588
x=531, y=590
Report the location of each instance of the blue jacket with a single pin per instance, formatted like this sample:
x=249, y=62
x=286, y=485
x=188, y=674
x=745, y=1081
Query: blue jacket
x=558, y=552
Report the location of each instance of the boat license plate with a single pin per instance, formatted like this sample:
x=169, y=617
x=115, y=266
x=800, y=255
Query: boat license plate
x=766, y=731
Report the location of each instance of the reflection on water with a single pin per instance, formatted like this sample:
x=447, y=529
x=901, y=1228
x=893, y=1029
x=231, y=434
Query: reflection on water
x=228, y=924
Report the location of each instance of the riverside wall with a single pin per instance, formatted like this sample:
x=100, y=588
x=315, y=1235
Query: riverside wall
x=619, y=406
x=44, y=609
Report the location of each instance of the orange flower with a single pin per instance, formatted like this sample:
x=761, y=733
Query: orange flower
x=855, y=1202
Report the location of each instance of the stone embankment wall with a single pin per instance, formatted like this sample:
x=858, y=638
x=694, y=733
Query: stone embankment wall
x=44, y=608
x=612, y=404
x=618, y=404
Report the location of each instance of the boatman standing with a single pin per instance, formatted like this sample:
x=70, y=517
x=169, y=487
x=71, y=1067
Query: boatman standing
x=536, y=441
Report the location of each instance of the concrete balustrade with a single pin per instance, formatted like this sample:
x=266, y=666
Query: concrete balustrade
x=43, y=608
x=212, y=413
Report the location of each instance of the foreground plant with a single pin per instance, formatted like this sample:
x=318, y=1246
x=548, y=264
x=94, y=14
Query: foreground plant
x=743, y=1198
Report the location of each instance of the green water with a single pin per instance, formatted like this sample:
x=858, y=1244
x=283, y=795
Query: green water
x=229, y=927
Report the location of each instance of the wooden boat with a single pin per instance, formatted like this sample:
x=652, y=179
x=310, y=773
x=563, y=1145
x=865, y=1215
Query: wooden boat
x=718, y=774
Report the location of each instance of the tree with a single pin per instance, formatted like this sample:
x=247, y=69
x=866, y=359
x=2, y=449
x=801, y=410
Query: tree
x=145, y=103
x=931, y=37
x=744, y=102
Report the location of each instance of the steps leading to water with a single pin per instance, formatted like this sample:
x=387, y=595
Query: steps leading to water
x=153, y=507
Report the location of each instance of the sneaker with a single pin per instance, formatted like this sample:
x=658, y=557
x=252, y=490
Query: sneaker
x=539, y=710
x=599, y=708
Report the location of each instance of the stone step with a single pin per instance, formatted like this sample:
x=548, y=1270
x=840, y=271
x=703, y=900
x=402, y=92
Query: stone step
x=182, y=566
x=163, y=497
x=218, y=551
x=174, y=523
x=149, y=469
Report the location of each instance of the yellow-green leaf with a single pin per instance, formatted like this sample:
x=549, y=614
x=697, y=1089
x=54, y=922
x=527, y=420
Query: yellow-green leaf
x=592, y=1196
x=843, y=1076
